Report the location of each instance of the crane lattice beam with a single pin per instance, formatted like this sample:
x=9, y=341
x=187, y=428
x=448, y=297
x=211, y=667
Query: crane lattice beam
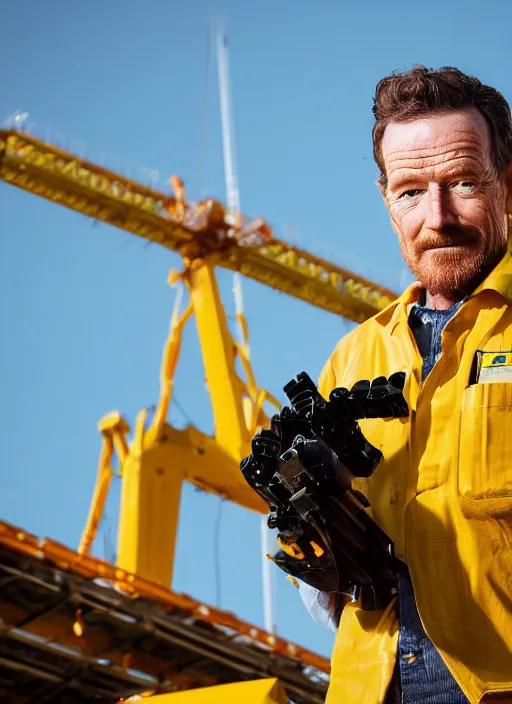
x=62, y=177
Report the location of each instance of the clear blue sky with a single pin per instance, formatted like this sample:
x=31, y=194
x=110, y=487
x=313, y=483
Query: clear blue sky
x=85, y=309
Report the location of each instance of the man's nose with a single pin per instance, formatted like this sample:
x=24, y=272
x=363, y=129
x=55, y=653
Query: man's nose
x=439, y=208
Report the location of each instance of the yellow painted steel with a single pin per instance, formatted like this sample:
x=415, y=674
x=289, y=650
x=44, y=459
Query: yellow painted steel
x=151, y=490
x=99, y=497
x=149, y=510
x=269, y=691
x=114, y=429
x=218, y=351
x=255, y=397
x=52, y=173
x=160, y=458
x=168, y=367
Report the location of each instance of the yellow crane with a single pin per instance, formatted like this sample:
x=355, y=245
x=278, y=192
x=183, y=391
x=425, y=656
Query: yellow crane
x=159, y=457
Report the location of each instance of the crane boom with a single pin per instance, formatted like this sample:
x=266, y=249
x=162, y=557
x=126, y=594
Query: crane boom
x=62, y=177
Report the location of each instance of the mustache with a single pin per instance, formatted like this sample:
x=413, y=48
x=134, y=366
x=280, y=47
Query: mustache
x=451, y=236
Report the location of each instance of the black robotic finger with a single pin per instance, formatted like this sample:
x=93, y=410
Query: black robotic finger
x=397, y=380
x=303, y=394
x=380, y=398
x=266, y=443
x=379, y=388
x=361, y=389
x=317, y=457
x=258, y=474
x=287, y=425
x=386, y=397
x=260, y=468
x=339, y=401
x=397, y=384
x=361, y=405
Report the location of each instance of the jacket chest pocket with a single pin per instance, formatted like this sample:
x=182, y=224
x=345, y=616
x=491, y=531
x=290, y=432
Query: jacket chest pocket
x=485, y=449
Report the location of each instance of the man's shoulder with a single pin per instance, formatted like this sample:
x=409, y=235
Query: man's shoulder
x=378, y=326
x=354, y=354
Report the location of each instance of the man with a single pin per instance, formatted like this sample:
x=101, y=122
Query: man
x=443, y=492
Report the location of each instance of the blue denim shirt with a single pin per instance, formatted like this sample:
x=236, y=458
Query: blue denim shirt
x=427, y=326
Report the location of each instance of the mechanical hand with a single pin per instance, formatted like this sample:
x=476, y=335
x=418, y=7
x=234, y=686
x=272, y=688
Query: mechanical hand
x=303, y=467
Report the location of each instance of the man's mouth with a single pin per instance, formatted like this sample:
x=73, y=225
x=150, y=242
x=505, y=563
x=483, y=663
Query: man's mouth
x=448, y=245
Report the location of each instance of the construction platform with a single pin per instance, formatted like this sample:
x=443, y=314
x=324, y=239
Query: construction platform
x=75, y=629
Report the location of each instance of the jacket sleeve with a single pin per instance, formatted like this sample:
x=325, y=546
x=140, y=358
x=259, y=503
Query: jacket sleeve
x=327, y=379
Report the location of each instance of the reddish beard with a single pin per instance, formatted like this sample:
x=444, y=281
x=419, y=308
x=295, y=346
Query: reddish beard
x=457, y=258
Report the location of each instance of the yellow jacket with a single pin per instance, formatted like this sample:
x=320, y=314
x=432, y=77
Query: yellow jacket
x=443, y=493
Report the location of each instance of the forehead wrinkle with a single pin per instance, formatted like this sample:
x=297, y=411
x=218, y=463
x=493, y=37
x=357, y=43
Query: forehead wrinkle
x=457, y=136
x=443, y=169
x=432, y=161
x=432, y=157
x=432, y=151
x=459, y=140
x=454, y=136
x=454, y=145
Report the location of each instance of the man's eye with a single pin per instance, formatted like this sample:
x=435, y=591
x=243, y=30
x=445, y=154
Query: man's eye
x=411, y=193
x=464, y=187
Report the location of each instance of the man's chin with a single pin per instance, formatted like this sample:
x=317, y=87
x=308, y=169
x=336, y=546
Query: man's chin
x=440, y=288
x=446, y=277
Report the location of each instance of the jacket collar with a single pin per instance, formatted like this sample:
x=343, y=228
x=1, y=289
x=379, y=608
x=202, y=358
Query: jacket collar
x=500, y=278
x=400, y=308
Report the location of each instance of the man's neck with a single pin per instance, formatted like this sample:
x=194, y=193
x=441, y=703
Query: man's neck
x=442, y=301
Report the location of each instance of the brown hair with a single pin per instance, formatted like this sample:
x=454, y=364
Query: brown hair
x=405, y=96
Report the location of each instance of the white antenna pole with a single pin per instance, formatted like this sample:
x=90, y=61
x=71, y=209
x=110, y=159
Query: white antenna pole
x=267, y=574
x=228, y=133
x=233, y=203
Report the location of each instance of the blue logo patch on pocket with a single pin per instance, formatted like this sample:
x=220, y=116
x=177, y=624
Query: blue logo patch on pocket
x=491, y=366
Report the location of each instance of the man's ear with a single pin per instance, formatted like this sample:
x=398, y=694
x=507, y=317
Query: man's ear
x=385, y=198
x=382, y=190
x=508, y=186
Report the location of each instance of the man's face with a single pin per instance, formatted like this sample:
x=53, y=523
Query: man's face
x=446, y=202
